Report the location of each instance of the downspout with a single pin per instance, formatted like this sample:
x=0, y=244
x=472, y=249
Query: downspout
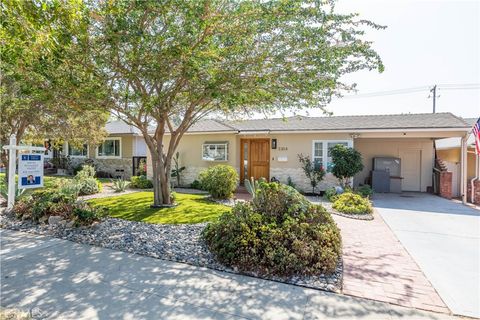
x=463, y=159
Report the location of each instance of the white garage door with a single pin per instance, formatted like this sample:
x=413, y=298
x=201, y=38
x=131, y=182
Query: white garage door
x=411, y=169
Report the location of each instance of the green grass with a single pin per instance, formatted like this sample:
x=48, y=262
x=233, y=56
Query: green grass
x=192, y=208
x=50, y=181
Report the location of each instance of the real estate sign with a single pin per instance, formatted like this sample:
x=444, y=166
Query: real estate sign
x=30, y=171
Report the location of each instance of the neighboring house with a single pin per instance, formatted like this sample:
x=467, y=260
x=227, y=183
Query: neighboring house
x=118, y=155
x=269, y=148
x=449, y=152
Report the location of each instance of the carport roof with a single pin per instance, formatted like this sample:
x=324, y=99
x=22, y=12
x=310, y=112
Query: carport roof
x=336, y=123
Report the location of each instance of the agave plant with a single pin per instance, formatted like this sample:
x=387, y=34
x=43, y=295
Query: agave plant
x=119, y=185
x=252, y=185
x=4, y=192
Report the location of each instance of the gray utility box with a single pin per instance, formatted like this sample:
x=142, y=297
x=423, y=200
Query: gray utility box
x=386, y=174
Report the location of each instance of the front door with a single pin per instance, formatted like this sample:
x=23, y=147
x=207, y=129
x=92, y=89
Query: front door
x=255, y=159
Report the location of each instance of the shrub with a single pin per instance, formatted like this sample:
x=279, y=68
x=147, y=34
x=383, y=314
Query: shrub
x=220, y=181
x=196, y=185
x=352, y=203
x=140, y=182
x=119, y=185
x=291, y=183
x=313, y=172
x=330, y=194
x=57, y=202
x=291, y=237
x=365, y=191
x=85, y=178
x=347, y=162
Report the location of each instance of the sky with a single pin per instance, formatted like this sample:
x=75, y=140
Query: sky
x=425, y=43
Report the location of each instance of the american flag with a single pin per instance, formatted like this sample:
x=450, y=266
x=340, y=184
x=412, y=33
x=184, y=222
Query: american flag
x=476, y=133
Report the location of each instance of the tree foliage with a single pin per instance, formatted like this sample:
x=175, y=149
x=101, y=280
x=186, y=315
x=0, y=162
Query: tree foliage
x=347, y=162
x=46, y=91
x=170, y=63
x=314, y=173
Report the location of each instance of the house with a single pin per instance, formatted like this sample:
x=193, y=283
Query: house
x=449, y=153
x=270, y=147
x=118, y=156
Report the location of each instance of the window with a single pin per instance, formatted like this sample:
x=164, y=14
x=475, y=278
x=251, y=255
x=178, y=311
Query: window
x=321, y=152
x=215, y=151
x=110, y=148
x=77, y=152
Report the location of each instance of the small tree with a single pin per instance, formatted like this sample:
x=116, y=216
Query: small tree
x=314, y=173
x=177, y=170
x=347, y=162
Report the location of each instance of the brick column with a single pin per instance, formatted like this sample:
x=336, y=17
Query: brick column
x=476, y=195
x=446, y=184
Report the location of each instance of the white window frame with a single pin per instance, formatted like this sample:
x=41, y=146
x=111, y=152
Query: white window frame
x=216, y=144
x=324, y=156
x=67, y=147
x=111, y=157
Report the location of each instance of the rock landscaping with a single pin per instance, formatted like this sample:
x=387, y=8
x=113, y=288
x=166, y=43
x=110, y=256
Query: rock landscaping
x=175, y=242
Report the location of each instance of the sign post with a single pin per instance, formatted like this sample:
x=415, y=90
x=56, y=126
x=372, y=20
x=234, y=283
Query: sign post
x=31, y=167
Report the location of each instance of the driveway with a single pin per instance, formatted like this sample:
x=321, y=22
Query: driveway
x=443, y=237
x=59, y=279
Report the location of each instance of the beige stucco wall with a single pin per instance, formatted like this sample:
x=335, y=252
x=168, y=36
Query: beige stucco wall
x=375, y=147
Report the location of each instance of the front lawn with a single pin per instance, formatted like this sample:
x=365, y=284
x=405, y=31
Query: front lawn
x=51, y=181
x=192, y=208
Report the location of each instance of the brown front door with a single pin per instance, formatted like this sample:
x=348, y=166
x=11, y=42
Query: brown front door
x=255, y=159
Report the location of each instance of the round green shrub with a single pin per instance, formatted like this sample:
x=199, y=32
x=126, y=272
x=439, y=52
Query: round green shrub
x=220, y=181
x=89, y=186
x=140, y=182
x=352, y=203
x=365, y=191
x=285, y=238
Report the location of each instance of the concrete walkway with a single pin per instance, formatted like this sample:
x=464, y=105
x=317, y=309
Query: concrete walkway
x=59, y=279
x=444, y=239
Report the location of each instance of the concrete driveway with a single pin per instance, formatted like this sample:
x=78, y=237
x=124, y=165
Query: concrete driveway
x=443, y=237
x=59, y=279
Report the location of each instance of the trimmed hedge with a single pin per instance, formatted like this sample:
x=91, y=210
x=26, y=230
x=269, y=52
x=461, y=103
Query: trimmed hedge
x=352, y=203
x=279, y=233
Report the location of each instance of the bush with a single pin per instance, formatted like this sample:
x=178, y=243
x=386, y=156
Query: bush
x=347, y=162
x=220, y=181
x=352, y=203
x=57, y=202
x=85, y=178
x=196, y=185
x=365, y=191
x=288, y=237
x=140, y=182
x=119, y=185
x=330, y=194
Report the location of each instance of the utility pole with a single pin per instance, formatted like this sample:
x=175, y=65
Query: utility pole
x=434, y=95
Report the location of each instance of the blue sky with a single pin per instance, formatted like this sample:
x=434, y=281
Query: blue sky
x=426, y=43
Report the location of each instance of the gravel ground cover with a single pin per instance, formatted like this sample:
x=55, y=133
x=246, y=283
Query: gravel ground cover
x=174, y=242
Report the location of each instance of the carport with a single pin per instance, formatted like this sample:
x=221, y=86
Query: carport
x=416, y=149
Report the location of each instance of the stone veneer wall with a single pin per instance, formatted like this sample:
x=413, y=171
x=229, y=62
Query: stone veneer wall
x=110, y=166
x=301, y=182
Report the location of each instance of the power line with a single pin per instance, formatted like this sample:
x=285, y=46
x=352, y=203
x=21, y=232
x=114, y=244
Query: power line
x=472, y=86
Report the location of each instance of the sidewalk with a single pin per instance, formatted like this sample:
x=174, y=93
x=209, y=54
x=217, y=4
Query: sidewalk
x=59, y=279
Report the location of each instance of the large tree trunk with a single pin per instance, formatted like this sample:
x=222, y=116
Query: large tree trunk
x=161, y=179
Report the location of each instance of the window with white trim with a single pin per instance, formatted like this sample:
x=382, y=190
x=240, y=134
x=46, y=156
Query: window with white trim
x=110, y=148
x=215, y=151
x=321, y=152
x=80, y=152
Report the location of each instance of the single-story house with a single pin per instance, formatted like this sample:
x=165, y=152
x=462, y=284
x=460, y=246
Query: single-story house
x=449, y=152
x=118, y=155
x=270, y=147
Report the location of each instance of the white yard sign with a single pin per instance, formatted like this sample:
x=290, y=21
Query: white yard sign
x=30, y=171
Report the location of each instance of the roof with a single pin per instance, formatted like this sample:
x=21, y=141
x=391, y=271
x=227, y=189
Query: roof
x=120, y=127
x=449, y=143
x=336, y=123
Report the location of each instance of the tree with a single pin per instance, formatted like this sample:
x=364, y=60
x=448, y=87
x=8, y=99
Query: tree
x=45, y=91
x=347, y=162
x=314, y=173
x=170, y=63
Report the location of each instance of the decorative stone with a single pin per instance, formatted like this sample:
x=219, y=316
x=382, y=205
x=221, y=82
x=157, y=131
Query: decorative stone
x=56, y=221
